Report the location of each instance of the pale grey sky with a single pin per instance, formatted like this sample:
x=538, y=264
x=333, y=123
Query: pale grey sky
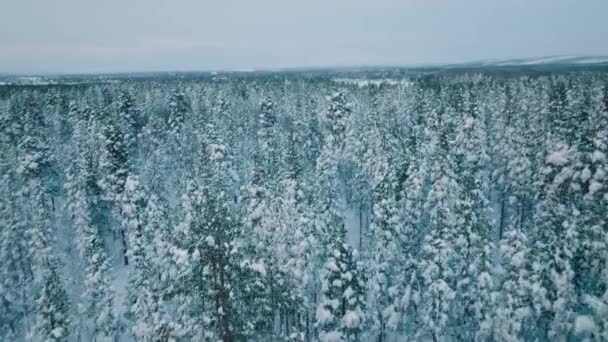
x=76, y=36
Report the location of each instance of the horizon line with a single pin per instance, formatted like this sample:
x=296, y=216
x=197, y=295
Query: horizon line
x=551, y=59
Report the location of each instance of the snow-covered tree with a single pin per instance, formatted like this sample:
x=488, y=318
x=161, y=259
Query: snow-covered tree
x=439, y=264
x=475, y=283
x=340, y=313
x=513, y=306
x=97, y=300
x=556, y=241
x=52, y=309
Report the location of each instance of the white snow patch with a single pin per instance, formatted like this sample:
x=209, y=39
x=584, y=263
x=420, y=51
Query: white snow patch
x=210, y=241
x=599, y=175
x=392, y=317
x=131, y=184
x=598, y=156
x=586, y=174
x=351, y=319
x=595, y=187
x=599, y=307
x=559, y=158
x=259, y=267
x=363, y=82
x=544, y=60
x=584, y=325
x=331, y=265
x=57, y=332
x=323, y=315
x=332, y=336
x=518, y=259
x=180, y=256
x=348, y=293
x=592, y=60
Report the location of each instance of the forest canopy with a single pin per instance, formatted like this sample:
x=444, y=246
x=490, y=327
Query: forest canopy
x=298, y=207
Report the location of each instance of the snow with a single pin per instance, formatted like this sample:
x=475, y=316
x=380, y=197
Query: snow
x=518, y=259
x=331, y=265
x=595, y=187
x=469, y=122
x=216, y=152
x=592, y=60
x=308, y=266
x=210, y=241
x=332, y=336
x=351, y=319
x=485, y=280
x=392, y=317
x=323, y=315
x=128, y=209
x=584, y=325
x=348, y=292
x=548, y=60
x=131, y=184
x=354, y=228
x=599, y=307
x=259, y=267
x=598, y=156
x=559, y=158
x=57, y=332
x=141, y=330
x=585, y=174
x=544, y=60
x=28, y=163
x=120, y=281
x=599, y=175
x=180, y=256
x=362, y=82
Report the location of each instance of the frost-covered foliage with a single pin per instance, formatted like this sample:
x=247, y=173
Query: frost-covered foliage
x=288, y=207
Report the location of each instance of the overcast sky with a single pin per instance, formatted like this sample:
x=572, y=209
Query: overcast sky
x=153, y=35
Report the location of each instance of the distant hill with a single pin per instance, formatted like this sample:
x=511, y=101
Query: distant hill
x=562, y=60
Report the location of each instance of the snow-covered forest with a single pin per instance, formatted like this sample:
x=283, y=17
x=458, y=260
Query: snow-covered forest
x=455, y=207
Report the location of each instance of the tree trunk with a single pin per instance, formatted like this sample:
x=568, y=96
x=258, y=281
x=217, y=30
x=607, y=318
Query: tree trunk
x=502, y=217
x=124, y=245
x=360, y=224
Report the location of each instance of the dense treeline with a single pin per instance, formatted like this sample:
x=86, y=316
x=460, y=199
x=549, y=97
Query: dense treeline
x=456, y=208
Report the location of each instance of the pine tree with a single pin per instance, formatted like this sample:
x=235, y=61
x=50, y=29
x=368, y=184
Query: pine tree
x=15, y=268
x=387, y=285
x=114, y=167
x=513, y=307
x=260, y=221
x=593, y=252
x=34, y=166
x=475, y=286
x=98, y=297
x=52, y=309
x=129, y=120
x=439, y=263
x=143, y=308
x=556, y=241
x=340, y=312
x=114, y=162
x=179, y=109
